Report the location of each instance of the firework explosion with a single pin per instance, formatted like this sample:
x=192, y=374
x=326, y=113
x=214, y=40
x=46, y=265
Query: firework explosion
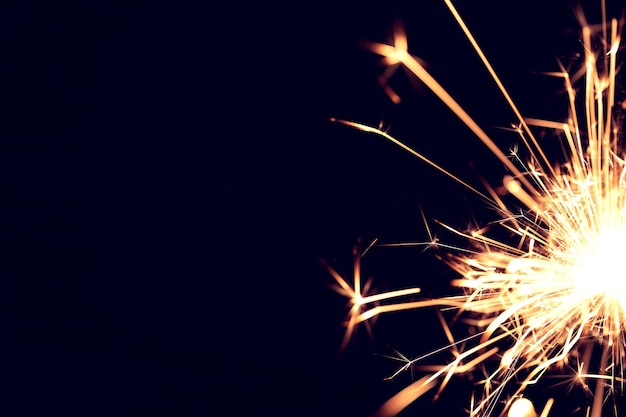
x=546, y=300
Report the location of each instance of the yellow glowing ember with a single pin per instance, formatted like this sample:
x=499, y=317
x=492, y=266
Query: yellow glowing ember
x=557, y=292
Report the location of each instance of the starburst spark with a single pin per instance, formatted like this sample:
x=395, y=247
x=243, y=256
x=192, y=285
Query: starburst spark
x=559, y=290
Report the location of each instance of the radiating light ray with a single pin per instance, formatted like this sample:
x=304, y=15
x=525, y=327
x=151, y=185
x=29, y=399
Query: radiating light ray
x=556, y=291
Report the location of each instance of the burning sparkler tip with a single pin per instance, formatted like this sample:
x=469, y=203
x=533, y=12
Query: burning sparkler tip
x=555, y=293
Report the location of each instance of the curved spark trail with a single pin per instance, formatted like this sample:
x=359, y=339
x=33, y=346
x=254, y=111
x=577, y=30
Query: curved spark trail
x=556, y=292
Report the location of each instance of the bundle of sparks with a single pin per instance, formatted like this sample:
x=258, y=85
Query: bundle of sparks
x=555, y=294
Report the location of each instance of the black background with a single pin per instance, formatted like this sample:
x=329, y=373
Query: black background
x=170, y=179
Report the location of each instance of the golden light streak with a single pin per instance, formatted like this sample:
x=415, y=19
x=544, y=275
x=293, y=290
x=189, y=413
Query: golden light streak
x=558, y=291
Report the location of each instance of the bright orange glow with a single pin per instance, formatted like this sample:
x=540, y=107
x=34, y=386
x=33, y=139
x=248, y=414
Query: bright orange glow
x=522, y=408
x=559, y=289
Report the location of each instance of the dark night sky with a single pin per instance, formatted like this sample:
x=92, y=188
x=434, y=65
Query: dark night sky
x=170, y=178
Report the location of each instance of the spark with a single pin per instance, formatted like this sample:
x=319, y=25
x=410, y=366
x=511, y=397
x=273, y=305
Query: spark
x=556, y=292
x=359, y=298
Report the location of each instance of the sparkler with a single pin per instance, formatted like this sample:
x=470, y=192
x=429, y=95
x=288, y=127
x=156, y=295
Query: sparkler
x=557, y=291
